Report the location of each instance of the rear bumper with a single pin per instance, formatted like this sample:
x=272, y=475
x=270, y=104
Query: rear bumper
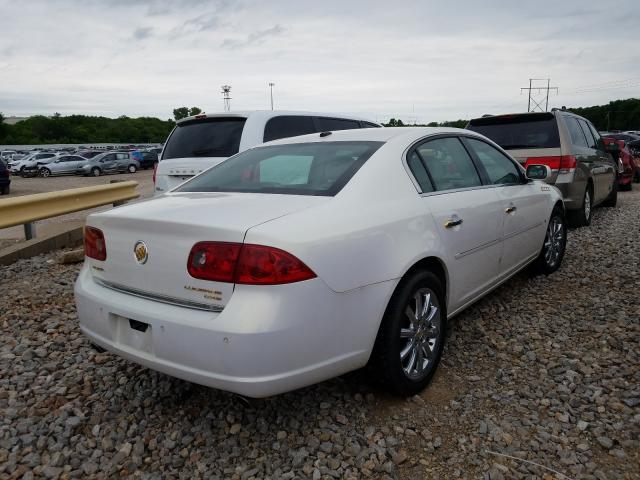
x=268, y=340
x=572, y=192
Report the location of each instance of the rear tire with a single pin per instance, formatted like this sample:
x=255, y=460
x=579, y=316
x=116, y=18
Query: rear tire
x=582, y=217
x=554, y=246
x=5, y=190
x=408, y=348
x=45, y=172
x=132, y=168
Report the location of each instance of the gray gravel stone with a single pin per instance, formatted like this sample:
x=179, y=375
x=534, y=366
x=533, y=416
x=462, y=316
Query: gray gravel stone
x=544, y=369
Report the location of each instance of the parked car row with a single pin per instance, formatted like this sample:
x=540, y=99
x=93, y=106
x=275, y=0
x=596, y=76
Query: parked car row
x=88, y=162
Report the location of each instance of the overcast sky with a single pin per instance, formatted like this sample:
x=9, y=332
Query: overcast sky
x=422, y=60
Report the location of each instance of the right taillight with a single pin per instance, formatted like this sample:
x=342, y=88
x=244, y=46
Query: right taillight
x=94, y=244
x=245, y=264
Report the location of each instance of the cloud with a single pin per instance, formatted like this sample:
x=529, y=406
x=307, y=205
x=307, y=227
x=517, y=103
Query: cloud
x=253, y=37
x=141, y=33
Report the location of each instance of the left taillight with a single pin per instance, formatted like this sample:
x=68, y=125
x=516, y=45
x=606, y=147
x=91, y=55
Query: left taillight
x=94, y=243
x=245, y=264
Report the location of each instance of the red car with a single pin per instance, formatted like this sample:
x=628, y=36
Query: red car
x=626, y=171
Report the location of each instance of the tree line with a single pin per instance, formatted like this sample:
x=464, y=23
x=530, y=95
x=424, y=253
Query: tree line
x=616, y=115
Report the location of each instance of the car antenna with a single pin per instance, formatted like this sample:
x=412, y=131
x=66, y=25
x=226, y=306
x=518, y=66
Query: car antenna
x=325, y=134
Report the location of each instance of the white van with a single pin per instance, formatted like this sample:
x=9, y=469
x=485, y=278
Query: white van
x=202, y=141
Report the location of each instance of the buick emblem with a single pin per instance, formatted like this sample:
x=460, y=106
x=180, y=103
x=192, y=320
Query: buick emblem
x=141, y=252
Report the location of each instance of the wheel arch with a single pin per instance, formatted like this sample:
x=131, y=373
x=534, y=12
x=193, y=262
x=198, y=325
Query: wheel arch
x=432, y=264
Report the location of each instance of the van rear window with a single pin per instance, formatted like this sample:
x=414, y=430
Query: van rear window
x=511, y=132
x=207, y=137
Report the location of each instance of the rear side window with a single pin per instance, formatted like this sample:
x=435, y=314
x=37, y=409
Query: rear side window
x=320, y=168
x=449, y=164
x=511, y=132
x=419, y=172
x=288, y=126
x=207, y=137
x=326, y=124
x=577, y=135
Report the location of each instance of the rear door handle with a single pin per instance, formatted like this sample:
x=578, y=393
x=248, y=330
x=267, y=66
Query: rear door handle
x=510, y=209
x=452, y=223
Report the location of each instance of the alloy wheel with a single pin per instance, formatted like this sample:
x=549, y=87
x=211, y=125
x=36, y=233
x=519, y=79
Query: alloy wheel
x=553, y=242
x=420, y=333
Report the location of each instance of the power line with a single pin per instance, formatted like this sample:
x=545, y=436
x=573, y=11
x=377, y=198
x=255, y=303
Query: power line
x=538, y=104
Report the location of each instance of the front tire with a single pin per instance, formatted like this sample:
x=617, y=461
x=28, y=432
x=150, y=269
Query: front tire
x=582, y=217
x=554, y=246
x=45, y=172
x=411, y=336
x=132, y=168
x=95, y=171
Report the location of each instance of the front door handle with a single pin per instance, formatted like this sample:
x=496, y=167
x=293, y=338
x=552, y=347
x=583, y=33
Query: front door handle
x=452, y=223
x=510, y=209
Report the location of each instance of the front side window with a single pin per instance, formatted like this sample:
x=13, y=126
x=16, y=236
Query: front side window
x=320, y=168
x=286, y=126
x=577, y=135
x=449, y=164
x=596, y=136
x=591, y=141
x=500, y=169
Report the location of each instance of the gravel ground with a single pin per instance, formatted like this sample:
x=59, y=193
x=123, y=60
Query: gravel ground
x=542, y=375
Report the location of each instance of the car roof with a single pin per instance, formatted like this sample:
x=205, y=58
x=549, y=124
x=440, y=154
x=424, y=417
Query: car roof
x=267, y=114
x=408, y=134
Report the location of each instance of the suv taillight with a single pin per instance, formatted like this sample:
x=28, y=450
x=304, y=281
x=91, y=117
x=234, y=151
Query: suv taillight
x=562, y=163
x=94, y=244
x=245, y=264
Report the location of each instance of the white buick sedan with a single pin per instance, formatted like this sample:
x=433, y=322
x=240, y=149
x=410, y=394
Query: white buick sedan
x=305, y=258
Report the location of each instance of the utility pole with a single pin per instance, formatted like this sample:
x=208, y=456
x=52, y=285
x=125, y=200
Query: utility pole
x=271, y=84
x=538, y=104
x=226, y=90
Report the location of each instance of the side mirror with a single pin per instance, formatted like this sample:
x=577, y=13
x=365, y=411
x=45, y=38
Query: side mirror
x=538, y=172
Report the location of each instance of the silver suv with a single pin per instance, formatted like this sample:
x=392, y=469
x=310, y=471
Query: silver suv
x=581, y=167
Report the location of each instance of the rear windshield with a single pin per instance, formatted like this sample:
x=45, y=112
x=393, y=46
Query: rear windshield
x=513, y=132
x=207, y=137
x=321, y=168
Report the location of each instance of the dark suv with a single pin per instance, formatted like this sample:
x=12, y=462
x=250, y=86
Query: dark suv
x=581, y=167
x=5, y=179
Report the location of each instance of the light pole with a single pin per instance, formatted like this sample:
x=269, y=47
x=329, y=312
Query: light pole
x=271, y=84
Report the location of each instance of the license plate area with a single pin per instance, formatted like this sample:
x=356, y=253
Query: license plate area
x=132, y=333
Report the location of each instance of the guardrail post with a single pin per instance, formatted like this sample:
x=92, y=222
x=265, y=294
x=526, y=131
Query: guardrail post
x=29, y=230
x=119, y=202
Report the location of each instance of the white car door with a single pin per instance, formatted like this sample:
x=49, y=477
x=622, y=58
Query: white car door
x=524, y=205
x=468, y=215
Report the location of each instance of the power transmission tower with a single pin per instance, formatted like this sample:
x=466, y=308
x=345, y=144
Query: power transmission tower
x=538, y=104
x=226, y=90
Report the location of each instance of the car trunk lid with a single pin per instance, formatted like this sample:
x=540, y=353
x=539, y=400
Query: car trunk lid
x=169, y=226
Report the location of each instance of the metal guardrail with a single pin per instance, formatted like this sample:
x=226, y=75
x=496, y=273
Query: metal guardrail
x=28, y=208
